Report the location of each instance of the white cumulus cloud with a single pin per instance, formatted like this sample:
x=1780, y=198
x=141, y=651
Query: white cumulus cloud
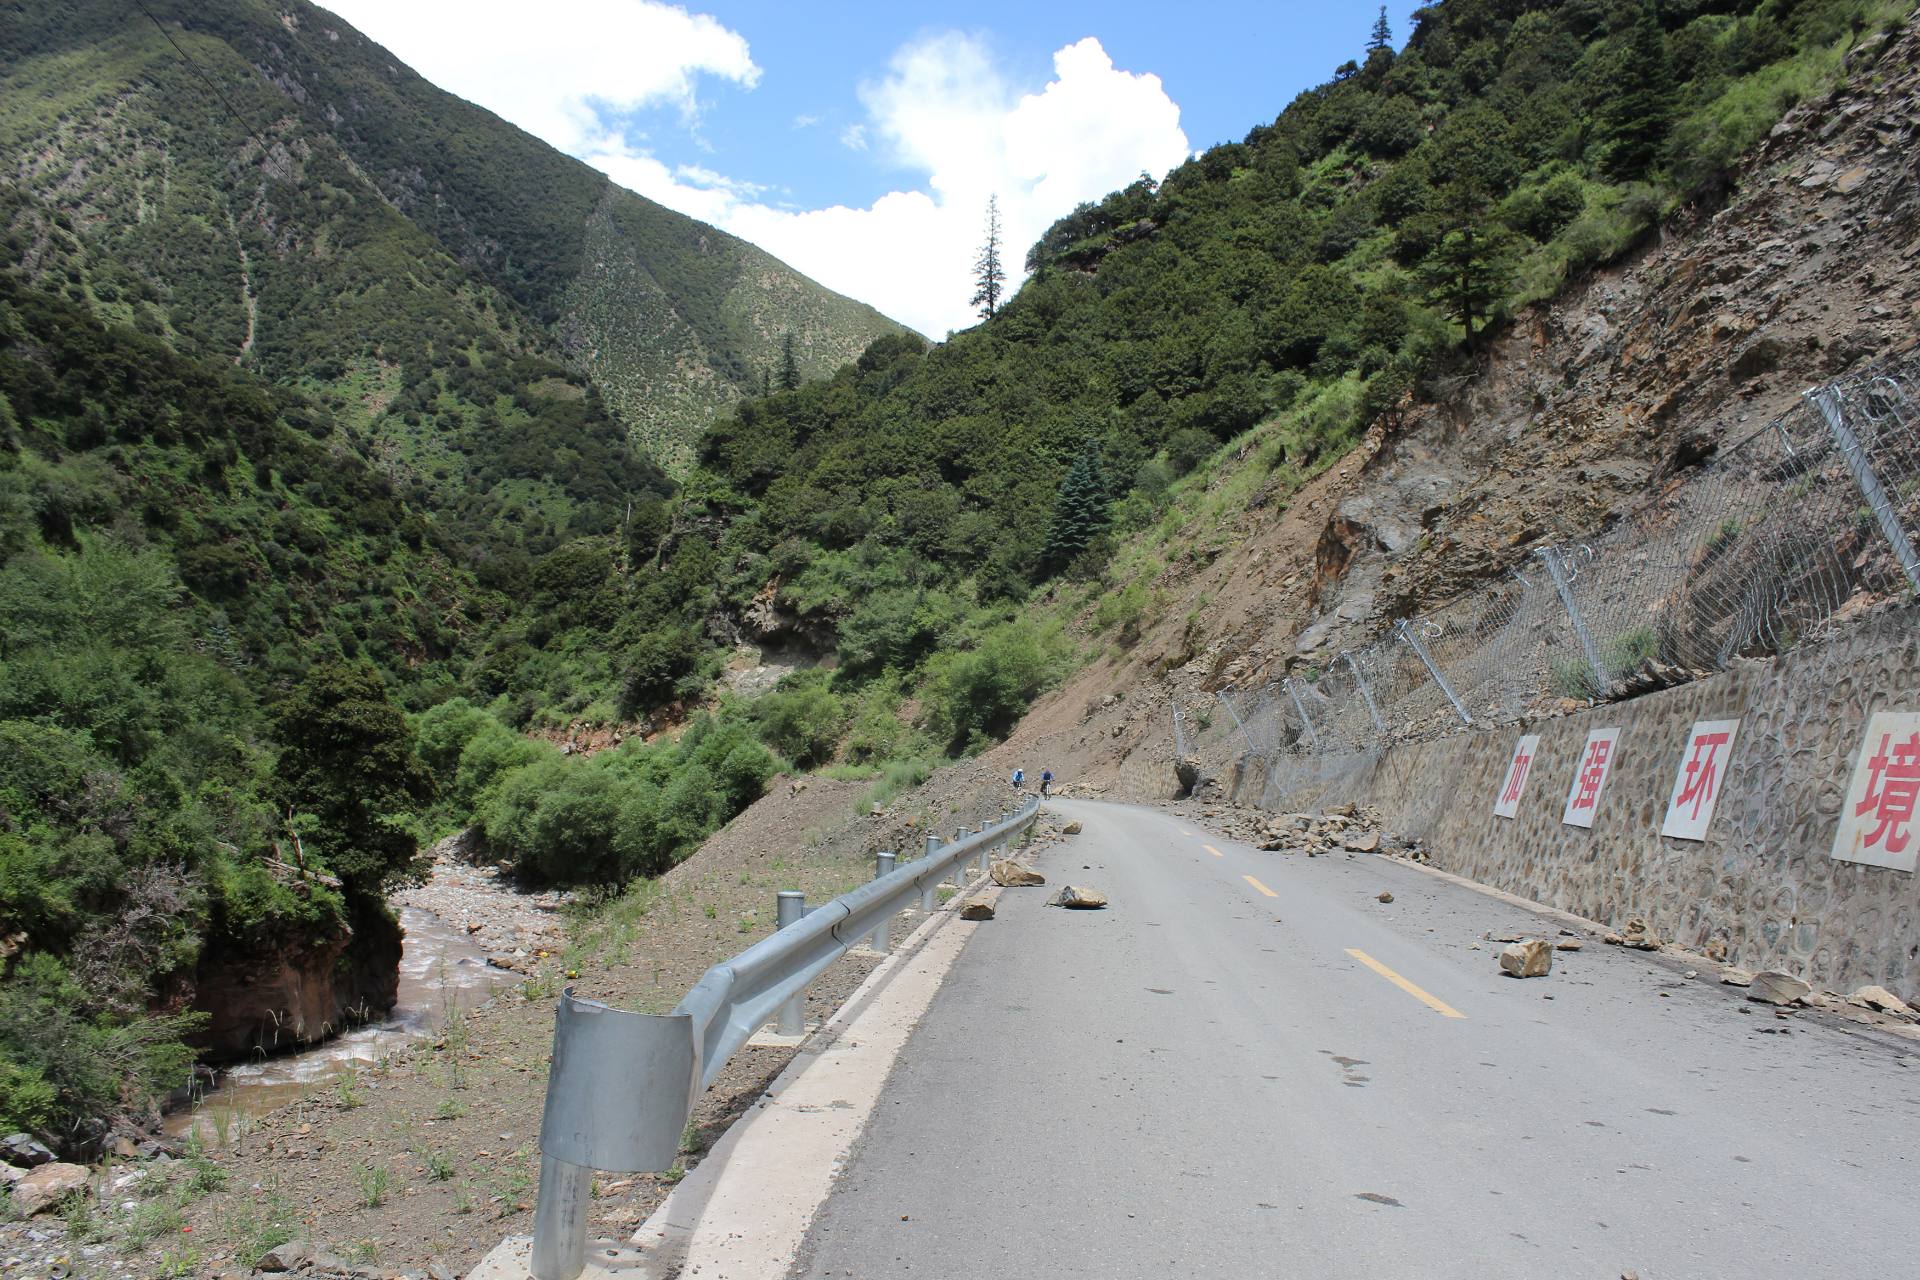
x=561, y=71
x=946, y=111
x=943, y=110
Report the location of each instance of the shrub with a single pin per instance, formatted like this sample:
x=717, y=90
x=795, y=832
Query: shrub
x=802, y=719
x=977, y=696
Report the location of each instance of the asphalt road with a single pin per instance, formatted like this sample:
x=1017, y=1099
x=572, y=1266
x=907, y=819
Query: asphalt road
x=1205, y=1080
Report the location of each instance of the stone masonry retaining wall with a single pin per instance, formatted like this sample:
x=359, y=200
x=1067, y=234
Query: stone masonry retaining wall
x=1763, y=882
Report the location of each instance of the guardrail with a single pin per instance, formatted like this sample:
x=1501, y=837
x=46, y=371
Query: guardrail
x=622, y=1085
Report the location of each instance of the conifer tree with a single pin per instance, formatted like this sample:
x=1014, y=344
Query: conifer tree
x=1382, y=37
x=789, y=367
x=1638, y=116
x=1469, y=271
x=1079, y=511
x=989, y=276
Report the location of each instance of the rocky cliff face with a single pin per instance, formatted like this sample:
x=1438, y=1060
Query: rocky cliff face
x=274, y=997
x=1581, y=409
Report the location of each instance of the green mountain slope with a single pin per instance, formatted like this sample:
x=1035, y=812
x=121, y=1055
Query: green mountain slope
x=352, y=216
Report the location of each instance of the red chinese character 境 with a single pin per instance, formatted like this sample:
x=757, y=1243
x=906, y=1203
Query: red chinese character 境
x=1593, y=771
x=1701, y=773
x=1893, y=787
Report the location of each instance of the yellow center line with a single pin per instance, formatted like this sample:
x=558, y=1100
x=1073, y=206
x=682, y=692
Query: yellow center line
x=1426, y=998
x=1215, y=852
x=1262, y=888
x=1185, y=832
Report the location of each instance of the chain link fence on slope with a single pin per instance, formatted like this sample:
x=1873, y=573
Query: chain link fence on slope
x=1783, y=537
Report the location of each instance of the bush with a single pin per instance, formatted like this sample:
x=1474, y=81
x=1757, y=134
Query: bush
x=1188, y=448
x=977, y=696
x=802, y=719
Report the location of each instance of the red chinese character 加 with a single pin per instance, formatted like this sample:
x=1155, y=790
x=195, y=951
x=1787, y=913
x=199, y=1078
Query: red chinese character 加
x=1893, y=787
x=1516, y=778
x=1701, y=773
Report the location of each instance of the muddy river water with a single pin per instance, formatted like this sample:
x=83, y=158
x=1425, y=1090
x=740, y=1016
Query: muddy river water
x=441, y=974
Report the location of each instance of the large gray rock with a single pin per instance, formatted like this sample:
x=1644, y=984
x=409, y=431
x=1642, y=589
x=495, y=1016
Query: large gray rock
x=48, y=1186
x=285, y=1257
x=1530, y=959
x=976, y=909
x=23, y=1150
x=1778, y=988
x=1881, y=999
x=1012, y=875
x=1080, y=898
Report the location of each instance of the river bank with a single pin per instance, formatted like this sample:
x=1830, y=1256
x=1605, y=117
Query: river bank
x=416, y=1163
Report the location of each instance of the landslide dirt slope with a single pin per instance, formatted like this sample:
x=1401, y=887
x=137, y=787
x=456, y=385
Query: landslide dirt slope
x=1578, y=411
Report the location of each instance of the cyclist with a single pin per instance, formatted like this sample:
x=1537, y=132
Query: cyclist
x=1046, y=780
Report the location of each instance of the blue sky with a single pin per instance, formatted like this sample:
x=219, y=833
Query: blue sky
x=860, y=141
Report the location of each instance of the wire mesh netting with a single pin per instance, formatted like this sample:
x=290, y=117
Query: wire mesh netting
x=1786, y=535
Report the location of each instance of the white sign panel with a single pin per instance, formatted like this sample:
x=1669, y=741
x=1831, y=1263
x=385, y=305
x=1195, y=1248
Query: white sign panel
x=1696, y=784
x=1876, y=824
x=1515, y=782
x=1596, y=760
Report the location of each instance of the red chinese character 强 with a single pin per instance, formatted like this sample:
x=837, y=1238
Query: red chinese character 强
x=1593, y=771
x=1701, y=773
x=1893, y=787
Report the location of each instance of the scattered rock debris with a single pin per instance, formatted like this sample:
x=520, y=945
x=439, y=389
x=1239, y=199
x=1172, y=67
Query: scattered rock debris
x=1638, y=935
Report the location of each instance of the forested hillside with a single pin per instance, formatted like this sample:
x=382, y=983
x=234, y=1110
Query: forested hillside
x=261, y=182
x=317, y=490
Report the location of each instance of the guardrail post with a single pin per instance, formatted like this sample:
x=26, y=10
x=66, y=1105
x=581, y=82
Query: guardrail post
x=1433, y=669
x=560, y=1220
x=1563, y=586
x=790, y=907
x=1827, y=400
x=1366, y=692
x=928, y=898
x=883, y=935
x=986, y=854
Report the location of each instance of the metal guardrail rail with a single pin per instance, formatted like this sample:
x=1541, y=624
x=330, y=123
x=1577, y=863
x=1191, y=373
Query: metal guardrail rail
x=622, y=1085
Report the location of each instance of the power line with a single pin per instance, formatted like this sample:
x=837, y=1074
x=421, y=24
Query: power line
x=185, y=57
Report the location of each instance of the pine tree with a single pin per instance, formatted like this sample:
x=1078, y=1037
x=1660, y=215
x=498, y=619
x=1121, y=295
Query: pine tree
x=1382, y=37
x=1637, y=118
x=988, y=274
x=789, y=367
x=1079, y=511
x=1469, y=270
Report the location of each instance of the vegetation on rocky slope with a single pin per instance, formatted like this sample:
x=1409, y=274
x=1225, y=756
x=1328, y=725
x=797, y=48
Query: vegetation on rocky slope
x=294, y=439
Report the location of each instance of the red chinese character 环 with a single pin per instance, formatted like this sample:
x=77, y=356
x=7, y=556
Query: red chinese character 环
x=1701, y=773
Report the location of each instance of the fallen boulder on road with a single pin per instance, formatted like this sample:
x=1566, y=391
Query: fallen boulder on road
x=1012, y=875
x=1530, y=959
x=1079, y=898
x=976, y=909
x=1385, y=895
x=1776, y=987
x=1071, y=829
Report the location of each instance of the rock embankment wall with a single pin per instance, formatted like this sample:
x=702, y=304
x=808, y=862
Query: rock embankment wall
x=1763, y=884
